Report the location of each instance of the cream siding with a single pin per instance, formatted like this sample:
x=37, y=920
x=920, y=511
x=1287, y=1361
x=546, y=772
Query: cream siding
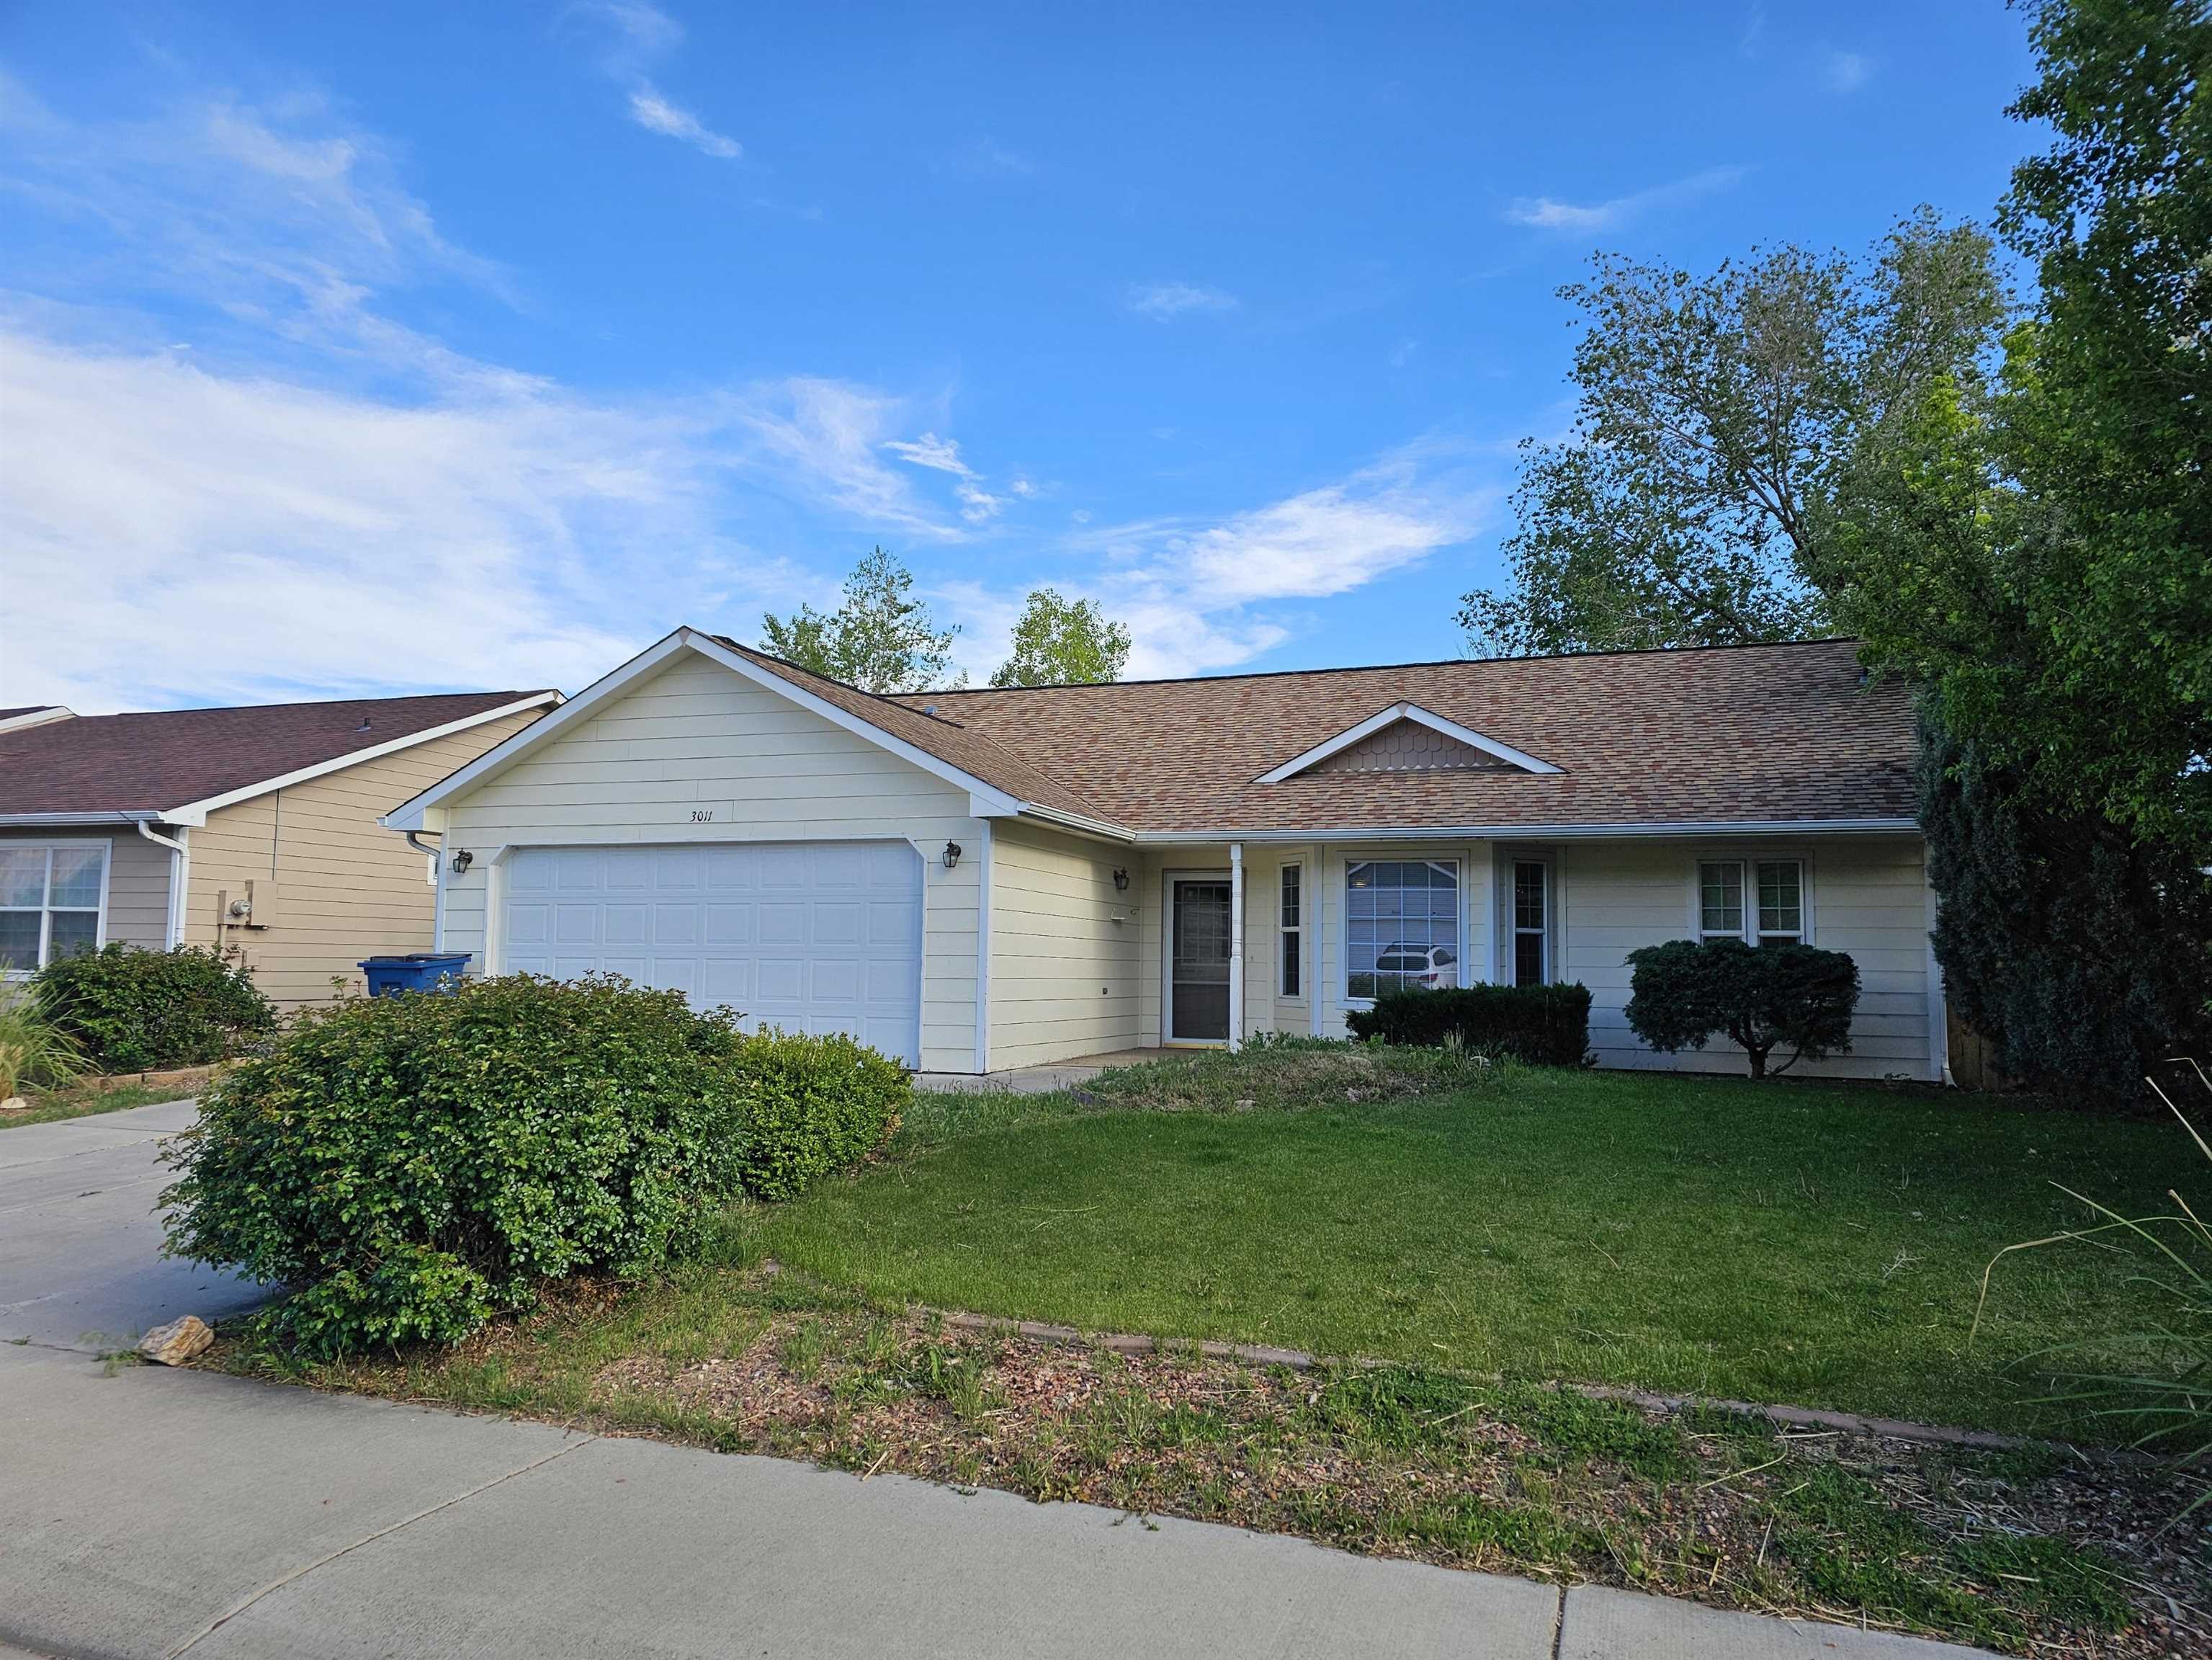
x=1065, y=948
x=1867, y=896
x=697, y=737
x=331, y=885
x=137, y=880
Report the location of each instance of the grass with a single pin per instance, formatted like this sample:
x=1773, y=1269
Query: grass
x=1821, y=1246
x=85, y=1098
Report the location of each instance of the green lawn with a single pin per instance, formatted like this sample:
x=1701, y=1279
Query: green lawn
x=1778, y=1242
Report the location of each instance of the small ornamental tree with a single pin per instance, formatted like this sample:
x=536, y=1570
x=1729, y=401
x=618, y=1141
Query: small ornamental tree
x=1685, y=993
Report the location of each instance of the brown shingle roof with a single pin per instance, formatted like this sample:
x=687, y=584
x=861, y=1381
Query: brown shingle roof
x=157, y=761
x=1734, y=734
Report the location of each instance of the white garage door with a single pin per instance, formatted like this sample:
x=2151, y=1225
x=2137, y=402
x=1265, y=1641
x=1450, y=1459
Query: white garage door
x=810, y=937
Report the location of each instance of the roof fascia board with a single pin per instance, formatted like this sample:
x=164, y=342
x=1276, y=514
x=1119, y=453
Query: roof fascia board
x=408, y=815
x=98, y=816
x=1405, y=711
x=39, y=717
x=1000, y=804
x=196, y=812
x=1078, y=822
x=1538, y=832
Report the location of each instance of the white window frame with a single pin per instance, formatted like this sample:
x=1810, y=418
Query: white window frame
x=1747, y=863
x=50, y=846
x=1291, y=936
x=1512, y=919
x=1461, y=865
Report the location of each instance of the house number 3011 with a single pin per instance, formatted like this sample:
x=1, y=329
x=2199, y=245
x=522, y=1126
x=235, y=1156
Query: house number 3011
x=702, y=815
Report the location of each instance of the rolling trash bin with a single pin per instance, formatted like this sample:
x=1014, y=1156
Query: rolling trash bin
x=418, y=970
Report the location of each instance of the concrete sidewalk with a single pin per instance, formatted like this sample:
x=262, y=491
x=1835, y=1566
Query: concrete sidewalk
x=159, y=1513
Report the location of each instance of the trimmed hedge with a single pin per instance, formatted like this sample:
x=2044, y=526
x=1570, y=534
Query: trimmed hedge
x=133, y=1010
x=1687, y=992
x=1544, y=1025
x=409, y=1166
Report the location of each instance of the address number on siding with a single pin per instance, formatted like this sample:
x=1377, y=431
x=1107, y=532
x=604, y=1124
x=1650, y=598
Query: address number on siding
x=707, y=812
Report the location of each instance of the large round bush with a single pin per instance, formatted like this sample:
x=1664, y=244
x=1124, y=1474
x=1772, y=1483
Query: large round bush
x=408, y=1167
x=132, y=1010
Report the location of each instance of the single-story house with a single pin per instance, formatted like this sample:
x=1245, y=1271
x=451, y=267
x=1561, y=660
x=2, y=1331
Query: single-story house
x=979, y=880
x=249, y=830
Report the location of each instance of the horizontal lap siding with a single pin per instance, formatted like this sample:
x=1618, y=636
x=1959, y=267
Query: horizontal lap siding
x=137, y=881
x=1868, y=900
x=698, y=736
x=345, y=887
x=1065, y=975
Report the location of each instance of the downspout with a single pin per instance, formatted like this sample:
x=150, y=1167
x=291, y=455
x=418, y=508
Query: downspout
x=1236, y=946
x=437, y=856
x=180, y=867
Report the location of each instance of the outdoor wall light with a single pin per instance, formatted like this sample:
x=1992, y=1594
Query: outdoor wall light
x=951, y=855
x=1121, y=881
x=462, y=861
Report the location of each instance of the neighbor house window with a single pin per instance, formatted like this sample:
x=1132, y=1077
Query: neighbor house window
x=50, y=903
x=1293, y=930
x=1401, y=925
x=1760, y=900
x=1532, y=923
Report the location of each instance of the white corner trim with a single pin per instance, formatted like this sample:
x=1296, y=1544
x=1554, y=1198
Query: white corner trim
x=196, y=812
x=407, y=816
x=983, y=952
x=1413, y=712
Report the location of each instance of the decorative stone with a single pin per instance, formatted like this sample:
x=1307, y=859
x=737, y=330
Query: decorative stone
x=177, y=1342
x=14, y=1103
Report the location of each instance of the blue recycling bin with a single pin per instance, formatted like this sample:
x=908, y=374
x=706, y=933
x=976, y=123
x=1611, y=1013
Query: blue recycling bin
x=418, y=970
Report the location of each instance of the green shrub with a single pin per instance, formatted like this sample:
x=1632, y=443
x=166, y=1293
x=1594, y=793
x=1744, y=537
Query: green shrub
x=132, y=1010
x=1544, y=1025
x=408, y=1167
x=813, y=1106
x=1687, y=992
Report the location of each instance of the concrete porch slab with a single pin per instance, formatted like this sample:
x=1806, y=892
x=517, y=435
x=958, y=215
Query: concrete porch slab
x=1038, y=1080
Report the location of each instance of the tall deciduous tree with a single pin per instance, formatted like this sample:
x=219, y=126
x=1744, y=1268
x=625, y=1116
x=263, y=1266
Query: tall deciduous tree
x=1061, y=641
x=1714, y=416
x=881, y=638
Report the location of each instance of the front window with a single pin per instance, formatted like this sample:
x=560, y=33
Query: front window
x=50, y=901
x=1759, y=900
x=1401, y=925
x=1293, y=930
x=1532, y=931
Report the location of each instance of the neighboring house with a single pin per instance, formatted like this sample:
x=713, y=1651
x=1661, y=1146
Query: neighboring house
x=972, y=880
x=253, y=831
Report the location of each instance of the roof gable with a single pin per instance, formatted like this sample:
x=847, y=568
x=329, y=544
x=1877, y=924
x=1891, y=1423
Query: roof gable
x=1386, y=741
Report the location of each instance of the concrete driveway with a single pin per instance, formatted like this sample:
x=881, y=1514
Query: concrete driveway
x=80, y=1257
x=156, y=1513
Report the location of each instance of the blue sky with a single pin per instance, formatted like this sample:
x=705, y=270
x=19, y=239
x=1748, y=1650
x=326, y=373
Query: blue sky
x=347, y=350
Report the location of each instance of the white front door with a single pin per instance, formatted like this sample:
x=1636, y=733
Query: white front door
x=813, y=936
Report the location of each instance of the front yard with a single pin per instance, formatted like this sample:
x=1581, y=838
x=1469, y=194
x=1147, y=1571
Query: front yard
x=1477, y=1235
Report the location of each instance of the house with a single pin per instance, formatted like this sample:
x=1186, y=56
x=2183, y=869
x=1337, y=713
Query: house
x=978, y=880
x=252, y=830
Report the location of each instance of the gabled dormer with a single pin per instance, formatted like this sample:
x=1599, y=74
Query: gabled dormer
x=1407, y=738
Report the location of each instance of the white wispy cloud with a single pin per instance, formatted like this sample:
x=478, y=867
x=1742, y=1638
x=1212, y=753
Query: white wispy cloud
x=1167, y=301
x=1549, y=213
x=633, y=40
x=1844, y=71
x=983, y=158
x=651, y=109
x=977, y=505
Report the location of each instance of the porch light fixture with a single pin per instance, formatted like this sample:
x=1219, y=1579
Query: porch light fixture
x=951, y=855
x=462, y=861
x=1121, y=881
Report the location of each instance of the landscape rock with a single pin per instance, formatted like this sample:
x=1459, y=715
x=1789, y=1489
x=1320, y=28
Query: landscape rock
x=177, y=1342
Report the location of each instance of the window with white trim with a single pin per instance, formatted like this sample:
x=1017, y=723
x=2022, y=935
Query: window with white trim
x=1291, y=981
x=1761, y=901
x=1400, y=924
x=1532, y=923
x=49, y=903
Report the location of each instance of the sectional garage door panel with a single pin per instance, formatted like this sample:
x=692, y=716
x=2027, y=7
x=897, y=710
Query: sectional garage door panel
x=815, y=938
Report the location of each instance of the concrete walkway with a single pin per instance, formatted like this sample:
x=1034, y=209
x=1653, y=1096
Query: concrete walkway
x=1037, y=1080
x=145, y=1512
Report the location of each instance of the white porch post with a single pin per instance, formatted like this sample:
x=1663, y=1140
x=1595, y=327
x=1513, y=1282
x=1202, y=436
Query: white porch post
x=1236, y=945
x=1313, y=917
